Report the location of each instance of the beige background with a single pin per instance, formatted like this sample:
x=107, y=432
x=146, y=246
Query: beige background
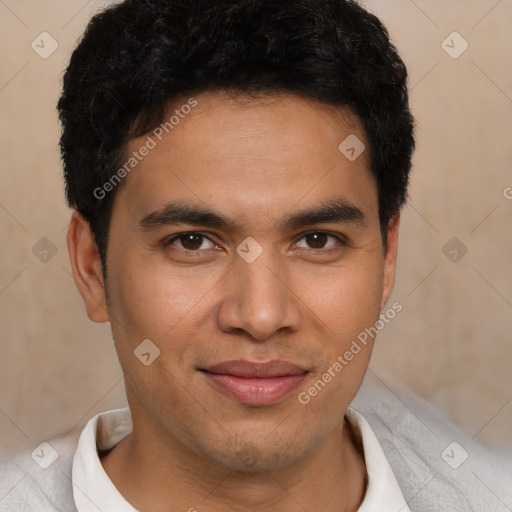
x=451, y=342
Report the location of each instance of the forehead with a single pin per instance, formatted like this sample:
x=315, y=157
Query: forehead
x=251, y=154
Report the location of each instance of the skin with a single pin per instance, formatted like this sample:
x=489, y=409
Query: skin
x=303, y=300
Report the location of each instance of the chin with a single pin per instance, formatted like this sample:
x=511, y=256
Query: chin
x=258, y=456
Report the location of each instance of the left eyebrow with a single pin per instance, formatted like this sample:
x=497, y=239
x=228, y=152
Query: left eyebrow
x=336, y=211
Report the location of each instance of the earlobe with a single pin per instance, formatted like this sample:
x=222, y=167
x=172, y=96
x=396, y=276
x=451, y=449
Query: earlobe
x=390, y=259
x=86, y=267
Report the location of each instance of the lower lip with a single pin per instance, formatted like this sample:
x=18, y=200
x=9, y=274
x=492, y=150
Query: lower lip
x=255, y=391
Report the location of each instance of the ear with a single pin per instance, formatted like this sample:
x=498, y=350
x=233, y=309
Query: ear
x=86, y=267
x=390, y=259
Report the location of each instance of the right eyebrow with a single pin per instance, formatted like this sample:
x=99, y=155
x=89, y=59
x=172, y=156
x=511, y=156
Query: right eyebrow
x=178, y=213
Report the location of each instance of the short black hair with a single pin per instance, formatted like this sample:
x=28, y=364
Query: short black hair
x=137, y=56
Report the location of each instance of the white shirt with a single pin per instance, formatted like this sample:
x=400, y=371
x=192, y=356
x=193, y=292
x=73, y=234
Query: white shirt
x=93, y=490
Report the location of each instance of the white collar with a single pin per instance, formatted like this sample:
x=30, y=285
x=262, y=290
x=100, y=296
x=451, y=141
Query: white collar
x=383, y=492
x=93, y=490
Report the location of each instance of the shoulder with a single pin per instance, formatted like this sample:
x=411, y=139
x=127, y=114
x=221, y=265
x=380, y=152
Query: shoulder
x=39, y=478
x=437, y=466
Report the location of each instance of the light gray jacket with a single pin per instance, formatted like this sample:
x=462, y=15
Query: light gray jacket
x=437, y=467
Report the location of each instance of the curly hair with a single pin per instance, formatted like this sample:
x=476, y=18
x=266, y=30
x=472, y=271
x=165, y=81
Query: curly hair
x=137, y=56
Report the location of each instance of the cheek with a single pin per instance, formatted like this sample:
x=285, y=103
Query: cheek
x=345, y=305
x=153, y=298
x=345, y=299
x=147, y=302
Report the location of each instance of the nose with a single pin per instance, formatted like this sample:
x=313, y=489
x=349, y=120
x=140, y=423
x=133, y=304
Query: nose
x=258, y=299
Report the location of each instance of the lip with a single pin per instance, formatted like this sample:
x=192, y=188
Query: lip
x=254, y=383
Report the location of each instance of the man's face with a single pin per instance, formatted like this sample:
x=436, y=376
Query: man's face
x=266, y=169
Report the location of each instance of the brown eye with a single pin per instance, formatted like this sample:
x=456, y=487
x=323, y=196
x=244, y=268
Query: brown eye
x=319, y=240
x=316, y=240
x=192, y=242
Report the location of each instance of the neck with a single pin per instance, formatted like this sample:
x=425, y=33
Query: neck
x=150, y=477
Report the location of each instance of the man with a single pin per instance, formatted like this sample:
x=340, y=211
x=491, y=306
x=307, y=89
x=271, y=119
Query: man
x=236, y=170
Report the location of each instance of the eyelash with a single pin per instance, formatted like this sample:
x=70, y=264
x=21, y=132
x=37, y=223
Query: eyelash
x=343, y=241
